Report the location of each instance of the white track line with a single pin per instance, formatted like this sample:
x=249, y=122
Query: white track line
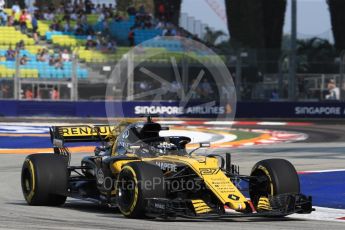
x=272, y=123
x=323, y=171
x=324, y=214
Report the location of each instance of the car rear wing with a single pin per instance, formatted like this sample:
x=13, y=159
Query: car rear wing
x=83, y=133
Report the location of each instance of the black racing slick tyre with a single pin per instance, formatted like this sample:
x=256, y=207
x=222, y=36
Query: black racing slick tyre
x=137, y=182
x=44, y=179
x=278, y=176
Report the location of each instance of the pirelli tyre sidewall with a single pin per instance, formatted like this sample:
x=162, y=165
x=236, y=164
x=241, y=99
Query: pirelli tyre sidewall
x=44, y=179
x=281, y=175
x=137, y=182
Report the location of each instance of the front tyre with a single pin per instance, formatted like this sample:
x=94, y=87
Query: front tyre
x=44, y=179
x=137, y=182
x=275, y=177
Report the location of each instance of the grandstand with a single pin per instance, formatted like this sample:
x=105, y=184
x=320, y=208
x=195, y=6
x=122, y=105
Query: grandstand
x=93, y=41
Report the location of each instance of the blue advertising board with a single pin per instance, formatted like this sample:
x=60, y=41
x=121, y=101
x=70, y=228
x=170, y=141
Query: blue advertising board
x=133, y=109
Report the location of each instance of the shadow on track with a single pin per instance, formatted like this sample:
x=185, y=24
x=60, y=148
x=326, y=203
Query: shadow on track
x=110, y=212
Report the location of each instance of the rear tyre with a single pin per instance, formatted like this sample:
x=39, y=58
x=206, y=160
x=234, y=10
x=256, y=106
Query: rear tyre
x=44, y=179
x=280, y=177
x=137, y=182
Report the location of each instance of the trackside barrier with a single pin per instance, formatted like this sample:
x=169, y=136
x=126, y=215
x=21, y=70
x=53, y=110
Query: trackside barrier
x=134, y=109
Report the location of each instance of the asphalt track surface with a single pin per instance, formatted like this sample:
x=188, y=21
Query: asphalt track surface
x=323, y=150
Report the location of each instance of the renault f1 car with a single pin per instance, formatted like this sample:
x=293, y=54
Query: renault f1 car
x=145, y=174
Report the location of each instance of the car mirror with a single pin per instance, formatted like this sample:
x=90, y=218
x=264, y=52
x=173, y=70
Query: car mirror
x=58, y=143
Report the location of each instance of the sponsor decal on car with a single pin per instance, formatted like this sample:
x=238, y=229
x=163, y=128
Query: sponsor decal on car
x=209, y=171
x=167, y=166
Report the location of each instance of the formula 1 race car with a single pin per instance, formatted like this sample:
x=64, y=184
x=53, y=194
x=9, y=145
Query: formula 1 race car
x=146, y=174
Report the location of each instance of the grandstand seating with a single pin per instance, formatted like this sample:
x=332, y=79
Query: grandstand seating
x=96, y=56
x=156, y=50
x=6, y=73
x=41, y=70
x=10, y=36
x=120, y=30
x=35, y=69
x=146, y=34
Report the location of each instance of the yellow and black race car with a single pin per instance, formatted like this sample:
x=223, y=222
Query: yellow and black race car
x=148, y=175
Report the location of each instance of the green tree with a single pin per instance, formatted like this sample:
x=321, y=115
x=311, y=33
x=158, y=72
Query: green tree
x=122, y=5
x=337, y=9
x=211, y=36
x=316, y=55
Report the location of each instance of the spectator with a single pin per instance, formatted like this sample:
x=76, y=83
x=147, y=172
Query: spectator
x=3, y=18
x=74, y=16
x=334, y=92
x=23, y=60
x=98, y=42
x=131, y=35
x=161, y=11
x=98, y=9
x=174, y=90
x=89, y=30
x=10, y=54
x=34, y=24
x=67, y=26
x=206, y=89
x=5, y=91
x=111, y=46
x=12, y=19
x=148, y=23
x=104, y=7
x=49, y=16
x=165, y=32
x=131, y=10
x=144, y=86
x=51, y=60
x=89, y=42
x=138, y=22
x=274, y=95
x=43, y=56
x=142, y=10
x=101, y=17
x=118, y=18
x=55, y=95
x=28, y=94
x=110, y=7
x=173, y=32
x=65, y=55
x=69, y=8
x=20, y=45
x=2, y=4
x=160, y=25
x=58, y=62
x=83, y=19
x=88, y=6
x=22, y=21
x=78, y=29
x=16, y=7
x=32, y=9
x=56, y=25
